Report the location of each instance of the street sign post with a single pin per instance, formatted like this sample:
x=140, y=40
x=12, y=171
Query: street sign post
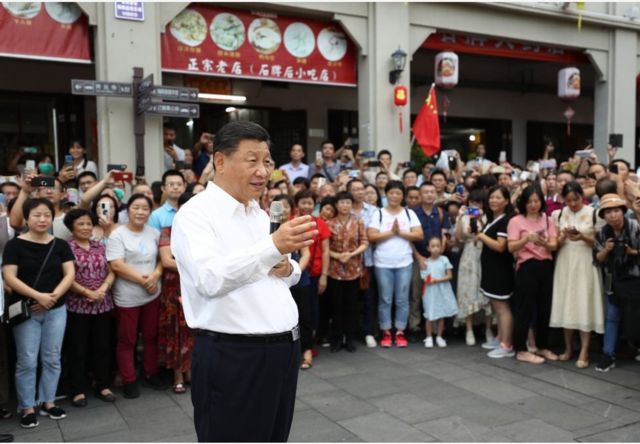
x=147, y=99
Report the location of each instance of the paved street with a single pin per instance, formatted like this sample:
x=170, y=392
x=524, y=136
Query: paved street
x=453, y=394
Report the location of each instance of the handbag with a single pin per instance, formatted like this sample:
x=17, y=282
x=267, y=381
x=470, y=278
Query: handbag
x=19, y=311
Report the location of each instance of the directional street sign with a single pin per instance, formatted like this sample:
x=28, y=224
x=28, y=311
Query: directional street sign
x=188, y=110
x=175, y=93
x=145, y=85
x=98, y=88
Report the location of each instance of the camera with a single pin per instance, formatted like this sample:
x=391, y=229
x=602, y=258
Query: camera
x=408, y=164
x=473, y=212
x=619, y=249
x=43, y=181
x=373, y=163
x=452, y=163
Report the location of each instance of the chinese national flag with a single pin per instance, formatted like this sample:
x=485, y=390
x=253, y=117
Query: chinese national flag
x=426, y=127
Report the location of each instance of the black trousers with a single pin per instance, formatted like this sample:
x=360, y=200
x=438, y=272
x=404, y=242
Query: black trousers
x=243, y=392
x=302, y=296
x=89, y=346
x=344, y=308
x=533, y=293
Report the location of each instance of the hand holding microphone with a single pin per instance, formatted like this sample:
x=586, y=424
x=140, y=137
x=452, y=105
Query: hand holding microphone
x=292, y=235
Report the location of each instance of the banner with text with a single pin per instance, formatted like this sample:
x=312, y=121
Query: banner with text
x=449, y=41
x=210, y=40
x=44, y=30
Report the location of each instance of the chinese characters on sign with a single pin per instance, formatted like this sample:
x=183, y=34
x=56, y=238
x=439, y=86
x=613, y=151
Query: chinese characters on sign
x=502, y=48
x=216, y=41
x=129, y=11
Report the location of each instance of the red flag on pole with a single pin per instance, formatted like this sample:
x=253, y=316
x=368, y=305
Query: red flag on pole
x=426, y=128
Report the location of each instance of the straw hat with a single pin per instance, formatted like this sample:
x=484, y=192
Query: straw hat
x=611, y=201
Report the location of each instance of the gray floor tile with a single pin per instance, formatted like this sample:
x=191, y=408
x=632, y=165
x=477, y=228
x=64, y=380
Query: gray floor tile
x=579, y=382
x=84, y=423
x=493, y=389
x=380, y=427
x=406, y=407
x=534, y=430
x=557, y=413
x=627, y=433
x=311, y=426
x=454, y=429
x=337, y=405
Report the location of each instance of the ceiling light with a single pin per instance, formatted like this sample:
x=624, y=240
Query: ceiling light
x=472, y=138
x=222, y=97
x=231, y=109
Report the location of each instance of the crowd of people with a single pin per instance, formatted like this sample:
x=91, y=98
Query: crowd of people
x=503, y=251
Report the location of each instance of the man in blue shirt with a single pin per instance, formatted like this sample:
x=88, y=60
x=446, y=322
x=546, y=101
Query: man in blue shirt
x=434, y=224
x=173, y=185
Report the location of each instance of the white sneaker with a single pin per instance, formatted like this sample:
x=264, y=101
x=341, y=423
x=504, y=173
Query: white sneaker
x=501, y=352
x=441, y=342
x=470, y=338
x=488, y=334
x=490, y=345
x=370, y=341
x=428, y=342
x=637, y=357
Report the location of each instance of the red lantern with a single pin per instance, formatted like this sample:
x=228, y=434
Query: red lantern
x=400, y=95
x=400, y=98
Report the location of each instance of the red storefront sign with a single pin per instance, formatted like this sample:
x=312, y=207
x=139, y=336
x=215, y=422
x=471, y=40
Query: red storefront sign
x=502, y=48
x=47, y=31
x=210, y=40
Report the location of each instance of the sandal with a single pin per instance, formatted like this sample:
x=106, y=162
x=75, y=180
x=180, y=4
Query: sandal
x=548, y=354
x=582, y=364
x=530, y=358
x=5, y=414
x=179, y=389
x=306, y=364
x=564, y=357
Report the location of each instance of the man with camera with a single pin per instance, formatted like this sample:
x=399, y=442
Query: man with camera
x=617, y=251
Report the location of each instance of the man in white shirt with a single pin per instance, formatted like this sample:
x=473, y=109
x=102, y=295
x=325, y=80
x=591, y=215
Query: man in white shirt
x=480, y=162
x=296, y=168
x=172, y=152
x=235, y=281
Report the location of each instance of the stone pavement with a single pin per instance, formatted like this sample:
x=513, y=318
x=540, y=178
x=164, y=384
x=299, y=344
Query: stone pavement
x=452, y=394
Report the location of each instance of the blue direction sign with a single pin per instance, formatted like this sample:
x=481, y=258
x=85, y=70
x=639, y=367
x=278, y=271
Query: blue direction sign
x=129, y=11
x=180, y=94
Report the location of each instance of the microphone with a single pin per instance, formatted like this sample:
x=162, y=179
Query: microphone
x=275, y=214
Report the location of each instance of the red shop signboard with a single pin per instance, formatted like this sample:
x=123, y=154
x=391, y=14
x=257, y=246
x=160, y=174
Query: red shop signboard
x=44, y=30
x=215, y=41
x=449, y=41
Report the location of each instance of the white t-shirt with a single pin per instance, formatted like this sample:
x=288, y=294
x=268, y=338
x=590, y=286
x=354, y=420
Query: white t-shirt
x=394, y=252
x=90, y=166
x=139, y=251
x=168, y=160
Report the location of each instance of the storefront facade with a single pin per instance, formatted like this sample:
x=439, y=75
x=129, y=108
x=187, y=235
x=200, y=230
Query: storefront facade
x=308, y=104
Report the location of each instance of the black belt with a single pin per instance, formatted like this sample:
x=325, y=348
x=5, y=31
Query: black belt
x=272, y=338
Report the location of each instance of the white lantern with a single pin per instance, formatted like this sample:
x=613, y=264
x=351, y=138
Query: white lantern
x=446, y=69
x=569, y=83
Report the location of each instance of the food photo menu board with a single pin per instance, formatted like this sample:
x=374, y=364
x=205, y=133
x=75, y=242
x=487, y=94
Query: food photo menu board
x=44, y=30
x=210, y=40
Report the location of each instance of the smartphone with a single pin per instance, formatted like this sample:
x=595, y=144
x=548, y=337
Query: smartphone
x=43, y=181
x=104, y=208
x=368, y=154
x=502, y=157
x=409, y=164
x=125, y=176
x=180, y=164
x=140, y=171
x=354, y=173
x=548, y=163
x=30, y=165
x=373, y=163
x=72, y=195
x=68, y=161
x=583, y=154
x=460, y=189
x=473, y=212
x=613, y=168
x=276, y=176
x=318, y=156
x=117, y=167
x=321, y=182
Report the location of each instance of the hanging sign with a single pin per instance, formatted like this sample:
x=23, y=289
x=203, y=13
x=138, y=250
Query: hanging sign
x=446, y=66
x=44, y=30
x=217, y=41
x=462, y=43
x=129, y=11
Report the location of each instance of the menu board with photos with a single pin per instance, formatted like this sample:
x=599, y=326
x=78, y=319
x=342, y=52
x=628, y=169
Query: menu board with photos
x=44, y=30
x=210, y=40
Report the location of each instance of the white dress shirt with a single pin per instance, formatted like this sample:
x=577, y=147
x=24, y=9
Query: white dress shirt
x=301, y=171
x=224, y=254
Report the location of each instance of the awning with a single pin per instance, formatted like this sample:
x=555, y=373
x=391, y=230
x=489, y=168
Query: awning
x=45, y=31
x=210, y=40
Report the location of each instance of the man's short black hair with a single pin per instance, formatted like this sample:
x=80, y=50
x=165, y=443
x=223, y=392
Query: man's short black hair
x=8, y=184
x=87, y=173
x=404, y=175
x=325, y=142
x=172, y=173
x=384, y=152
x=318, y=175
x=606, y=186
x=412, y=188
x=355, y=179
x=426, y=183
x=302, y=180
x=230, y=136
x=440, y=172
x=169, y=126
x=304, y=194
